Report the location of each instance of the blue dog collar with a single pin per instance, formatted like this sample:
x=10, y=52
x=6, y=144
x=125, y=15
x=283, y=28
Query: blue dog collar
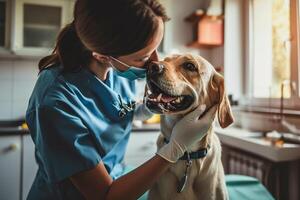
x=201, y=153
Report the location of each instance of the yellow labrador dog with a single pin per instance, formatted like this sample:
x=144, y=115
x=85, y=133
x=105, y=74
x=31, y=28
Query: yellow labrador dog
x=176, y=86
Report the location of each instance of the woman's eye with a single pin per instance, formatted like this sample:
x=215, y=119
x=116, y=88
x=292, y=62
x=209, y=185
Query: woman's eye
x=190, y=66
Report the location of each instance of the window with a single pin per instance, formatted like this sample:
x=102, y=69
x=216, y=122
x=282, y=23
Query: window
x=2, y=22
x=273, y=57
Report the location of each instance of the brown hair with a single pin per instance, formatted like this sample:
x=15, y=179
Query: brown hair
x=109, y=27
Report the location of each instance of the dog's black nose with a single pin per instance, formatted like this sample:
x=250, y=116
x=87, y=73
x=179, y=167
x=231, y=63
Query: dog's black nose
x=155, y=68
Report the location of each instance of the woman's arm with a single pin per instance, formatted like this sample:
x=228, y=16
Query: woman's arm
x=97, y=183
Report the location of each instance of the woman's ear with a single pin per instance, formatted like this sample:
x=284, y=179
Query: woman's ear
x=100, y=58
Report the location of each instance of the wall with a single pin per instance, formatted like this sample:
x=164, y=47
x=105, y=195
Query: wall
x=17, y=78
x=178, y=32
x=234, y=47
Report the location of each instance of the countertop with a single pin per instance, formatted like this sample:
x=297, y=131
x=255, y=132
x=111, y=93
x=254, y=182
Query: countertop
x=13, y=131
x=255, y=143
x=145, y=127
x=13, y=127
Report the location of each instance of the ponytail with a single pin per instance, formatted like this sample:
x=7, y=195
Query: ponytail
x=69, y=51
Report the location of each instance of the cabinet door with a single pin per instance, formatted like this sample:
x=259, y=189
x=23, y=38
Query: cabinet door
x=29, y=165
x=3, y=8
x=10, y=165
x=141, y=147
x=37, y=24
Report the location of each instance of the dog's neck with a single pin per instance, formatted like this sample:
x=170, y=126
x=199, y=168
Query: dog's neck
x=167, y=123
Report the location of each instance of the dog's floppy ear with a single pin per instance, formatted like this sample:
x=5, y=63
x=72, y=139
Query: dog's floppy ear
x=217, y=94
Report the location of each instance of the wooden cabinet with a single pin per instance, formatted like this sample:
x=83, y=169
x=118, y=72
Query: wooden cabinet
x=30, y=166
x=18, y=166
x=208, y=31
x=30, y=27
x=251, y=153
x=37, y=23
x=5, y=6
x=208, y=25
x=10, y=165
x=282, y=179
x=3, y=10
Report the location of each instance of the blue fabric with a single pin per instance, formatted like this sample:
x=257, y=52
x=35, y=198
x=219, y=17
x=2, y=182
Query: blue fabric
x=74, y=122
x=246, y=188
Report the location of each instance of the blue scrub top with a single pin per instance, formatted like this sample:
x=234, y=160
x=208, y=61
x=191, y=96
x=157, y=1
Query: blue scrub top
x=74, y=122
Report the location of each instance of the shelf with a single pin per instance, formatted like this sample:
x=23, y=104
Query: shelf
x=207, y=46
x=195, y=16
x=42, y=27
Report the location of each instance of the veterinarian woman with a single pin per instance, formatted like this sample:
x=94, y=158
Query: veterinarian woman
x=82, y=106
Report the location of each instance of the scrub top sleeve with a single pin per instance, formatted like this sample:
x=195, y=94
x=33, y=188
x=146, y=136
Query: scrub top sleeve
x=65, y=144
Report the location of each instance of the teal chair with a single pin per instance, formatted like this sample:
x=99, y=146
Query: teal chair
x=239, y=188
x=246, y=188
x=144, y=197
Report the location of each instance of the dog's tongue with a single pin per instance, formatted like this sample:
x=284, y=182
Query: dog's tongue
x=166, y=99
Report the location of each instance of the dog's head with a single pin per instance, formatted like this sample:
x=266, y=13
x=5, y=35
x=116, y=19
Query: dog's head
x=180, y=83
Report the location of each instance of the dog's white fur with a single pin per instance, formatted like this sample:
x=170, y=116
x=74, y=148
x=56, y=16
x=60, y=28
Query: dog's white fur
x=206, y=175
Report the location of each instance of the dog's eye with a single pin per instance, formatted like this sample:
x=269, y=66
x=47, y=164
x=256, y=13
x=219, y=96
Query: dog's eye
x=190, y=66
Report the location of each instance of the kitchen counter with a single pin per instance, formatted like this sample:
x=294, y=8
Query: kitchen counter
x=13, y=127
x=16, y=128
x=255, y=143
x=13, y=130
x=138, y=127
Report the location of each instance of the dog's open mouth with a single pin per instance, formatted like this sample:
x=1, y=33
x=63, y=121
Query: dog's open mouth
x=161, y=101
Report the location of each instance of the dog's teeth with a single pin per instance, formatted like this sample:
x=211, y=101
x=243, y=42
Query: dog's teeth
x=177, y=100
x=161, y=106
x=149, y=92
x=159, y=97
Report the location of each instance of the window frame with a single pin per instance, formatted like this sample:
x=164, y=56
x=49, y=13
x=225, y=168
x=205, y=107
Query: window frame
x=274, y=104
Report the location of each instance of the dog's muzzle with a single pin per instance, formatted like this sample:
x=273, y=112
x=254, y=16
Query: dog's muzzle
x=159, y=98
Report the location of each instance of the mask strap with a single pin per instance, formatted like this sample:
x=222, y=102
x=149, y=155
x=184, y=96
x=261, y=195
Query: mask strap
x=119, y=61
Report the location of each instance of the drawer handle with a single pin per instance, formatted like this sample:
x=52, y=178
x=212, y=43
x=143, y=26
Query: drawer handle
x=10, y=148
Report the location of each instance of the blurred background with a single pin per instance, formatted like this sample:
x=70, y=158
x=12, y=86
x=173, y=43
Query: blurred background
x=253, y=43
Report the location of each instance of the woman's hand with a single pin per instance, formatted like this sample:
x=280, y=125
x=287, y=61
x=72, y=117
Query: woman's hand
x=186, y=132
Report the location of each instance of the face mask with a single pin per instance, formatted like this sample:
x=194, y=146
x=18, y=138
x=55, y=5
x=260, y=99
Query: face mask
x=132, y=73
